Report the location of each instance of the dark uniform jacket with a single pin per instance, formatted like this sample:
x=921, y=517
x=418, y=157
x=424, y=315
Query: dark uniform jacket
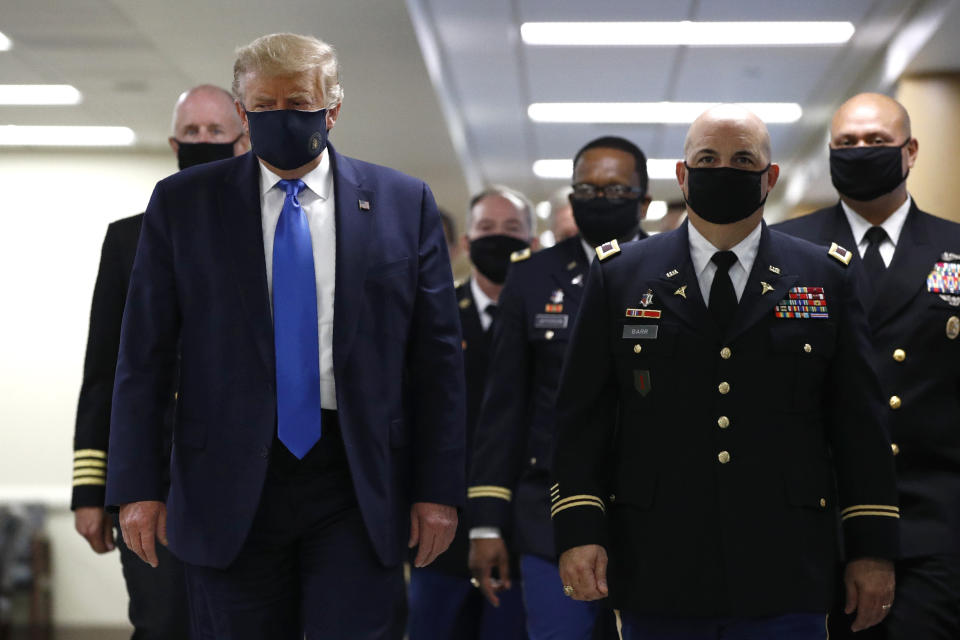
x=701, y=461
x=917, y=355
x=92, y=431
x=513, y=444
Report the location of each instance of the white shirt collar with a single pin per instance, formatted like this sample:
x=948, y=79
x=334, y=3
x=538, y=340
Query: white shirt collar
x=480, y=299
x=702, y=250
x=893, y=225
x=319, y=180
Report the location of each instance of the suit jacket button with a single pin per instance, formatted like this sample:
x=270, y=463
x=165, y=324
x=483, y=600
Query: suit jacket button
x=725, y=353
x=899, y=355
x=724, y=388
x=895, y=402
x=533, y=462
x=723, y=457
x=895, y=448
x=264, y=451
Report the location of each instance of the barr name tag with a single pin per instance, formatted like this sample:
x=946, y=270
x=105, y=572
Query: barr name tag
x=640, y=331
x=550, y=321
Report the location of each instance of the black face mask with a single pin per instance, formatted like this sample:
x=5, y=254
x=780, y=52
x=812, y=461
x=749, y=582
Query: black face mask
x=190, y=154
x=866, y=173
x=287, y=138
x=601, y=220
x=724, y=195
x=491, y=255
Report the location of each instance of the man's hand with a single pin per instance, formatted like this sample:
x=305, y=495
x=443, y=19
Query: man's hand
x=485, y=554
x=585, y=569
x=870, y=584
x=143, y=524
x=432, y=526
x=94, y=524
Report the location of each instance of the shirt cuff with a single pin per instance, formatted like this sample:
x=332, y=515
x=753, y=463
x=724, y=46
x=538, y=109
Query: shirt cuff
x=484, y=533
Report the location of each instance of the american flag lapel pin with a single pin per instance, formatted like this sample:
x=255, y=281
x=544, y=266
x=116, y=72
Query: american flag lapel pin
x=364, y=205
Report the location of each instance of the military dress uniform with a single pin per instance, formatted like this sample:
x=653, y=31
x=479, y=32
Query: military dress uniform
x=513, y=445
x=443, y=602
x=915, y=320
x=706, y=462
x=158, y=601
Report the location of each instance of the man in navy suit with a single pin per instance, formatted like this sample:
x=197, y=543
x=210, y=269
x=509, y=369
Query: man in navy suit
x=911, y=264
x=320, y=421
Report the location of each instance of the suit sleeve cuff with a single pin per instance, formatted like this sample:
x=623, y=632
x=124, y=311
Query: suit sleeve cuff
x=871, y=531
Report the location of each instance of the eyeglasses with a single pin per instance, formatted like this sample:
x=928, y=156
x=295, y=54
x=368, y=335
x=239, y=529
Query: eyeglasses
x=586, y=191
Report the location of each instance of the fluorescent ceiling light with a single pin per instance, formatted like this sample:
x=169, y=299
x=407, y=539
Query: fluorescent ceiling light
x=656, y=210
x=5, y=43
x=12, y=135
x=652, y=112
x=39, y=94
x=687, y=33
x=562, y=168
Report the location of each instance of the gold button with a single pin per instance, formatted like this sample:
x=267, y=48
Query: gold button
x=823, y=502
x=533, y=461
x=548, y=335
x=613, y=497
x=176, y=395
x=807, y=348
x=724, y=457
x=724, y=388
x=725, y=353
x=895, y=402
x=895, y=448
x=637, y=348
x=723, y=422
x=899, y=355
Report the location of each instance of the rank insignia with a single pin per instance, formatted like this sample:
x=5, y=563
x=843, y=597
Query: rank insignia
x=945, y=278
x=557, y=296
x=953, y=327
x=608, y=249
x=774, y=269
x=803, y=303
x=641, y=381
x=950, y=256
x=643, y=313
x=682, y=292
x=520, y=256
x=766, y=288
x=577, y=280
x=465, y=303
x=672, y=273
x=554, y=308
x=840, y=253
x=571, y=265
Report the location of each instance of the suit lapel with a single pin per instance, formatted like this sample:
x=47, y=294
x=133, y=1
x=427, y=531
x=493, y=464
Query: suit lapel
x=470, y=314
x=243, y=228
x=677, y=287
x=907, y=273
x=354, y=235
x=572, y=271
x=765, y=286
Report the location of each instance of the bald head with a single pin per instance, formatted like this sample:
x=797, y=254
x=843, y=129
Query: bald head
x=206, y=114
x=733, y=124
x=870, y=118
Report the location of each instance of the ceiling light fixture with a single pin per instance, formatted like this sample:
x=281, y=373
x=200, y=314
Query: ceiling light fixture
x=12, y=135
x=652, y=112
x=562, y=168
x=39, y=94
x=5, y=43
x=687, y=33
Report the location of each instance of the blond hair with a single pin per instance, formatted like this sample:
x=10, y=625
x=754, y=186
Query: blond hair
x=284, y=54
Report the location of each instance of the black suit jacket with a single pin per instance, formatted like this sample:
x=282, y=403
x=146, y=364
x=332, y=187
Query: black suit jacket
x=92, y=431
x=706, y=463
x=919, y=363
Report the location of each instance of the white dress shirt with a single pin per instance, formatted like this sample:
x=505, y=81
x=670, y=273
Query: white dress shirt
x=317, y=201
x=701, y=252
x=482, y=301
x=893, y=225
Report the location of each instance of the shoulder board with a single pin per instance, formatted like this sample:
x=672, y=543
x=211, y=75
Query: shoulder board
x=841, y=254
x=608, y=249
x=520, y=256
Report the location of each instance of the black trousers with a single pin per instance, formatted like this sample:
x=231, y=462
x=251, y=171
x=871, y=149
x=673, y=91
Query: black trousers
x=307, y=566
x=926, y=605
x=158, y=597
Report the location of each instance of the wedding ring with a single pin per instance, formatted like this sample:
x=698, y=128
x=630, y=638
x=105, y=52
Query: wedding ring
x=568, y=590
x=475, y=582
x=885, y=606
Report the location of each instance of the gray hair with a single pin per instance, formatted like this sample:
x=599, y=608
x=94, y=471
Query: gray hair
x=519, y=200
x=282, y=54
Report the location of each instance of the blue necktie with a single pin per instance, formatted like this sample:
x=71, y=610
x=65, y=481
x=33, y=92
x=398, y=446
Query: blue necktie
x=295, y=326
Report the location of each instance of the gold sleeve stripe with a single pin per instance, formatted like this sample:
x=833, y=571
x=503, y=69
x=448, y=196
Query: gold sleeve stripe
x=489, y=491
x=90, y=453
x=555, y=486
x=90, y=473
x=872, y=507
x=84, y=464
x=856, y=514
x=577, y=497
x=89, y=481
x=581, y=503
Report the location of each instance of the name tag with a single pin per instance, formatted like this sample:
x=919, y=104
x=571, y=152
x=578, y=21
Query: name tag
x=640, y=331
x=550, y=321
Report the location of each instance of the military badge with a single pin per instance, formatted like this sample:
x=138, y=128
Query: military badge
x=765, y=288
x=953, y=327
x=554, y=308
x=953, y=301
x=557, y=296
x=608, y=249
x=577, y=280
x=841, y=254
x=641, y=381
x=647, y=298
x=945, y=278
x=950, y=256
x=643, y=313
x=682, y=292
x=672, y=273
x=803, y=303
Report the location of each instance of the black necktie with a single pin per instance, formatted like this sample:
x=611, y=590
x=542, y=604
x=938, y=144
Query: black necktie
x=723, y=299
x=491, y=312
x=872, y=260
